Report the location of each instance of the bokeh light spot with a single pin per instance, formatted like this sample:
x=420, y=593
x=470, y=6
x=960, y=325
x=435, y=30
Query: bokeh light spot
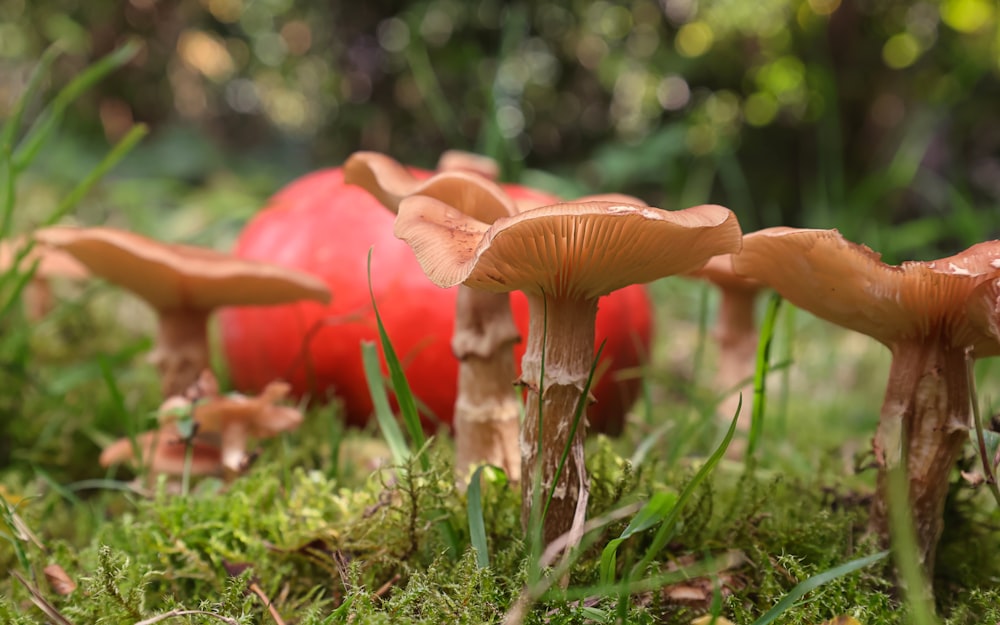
x=694, y=39
x=968, y=16
x=393, y=34
x=901, y=50
x=760, y=109
x=824, y=7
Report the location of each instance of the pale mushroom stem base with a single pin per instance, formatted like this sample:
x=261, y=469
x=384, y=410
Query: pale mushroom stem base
x=487, y=406
x=924, y=419
x=736, y=335
x=569, y=352
x=181, y=352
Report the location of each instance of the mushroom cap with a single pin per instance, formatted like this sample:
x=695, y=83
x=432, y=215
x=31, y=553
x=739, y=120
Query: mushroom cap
x=848, y=284
x=460, y=160
x=261, y=415
x=719, y=271
x=575, y=249
x=164, y=451
x=984, y=311
x=390, y=182
x=181, y=277
x=52, y=262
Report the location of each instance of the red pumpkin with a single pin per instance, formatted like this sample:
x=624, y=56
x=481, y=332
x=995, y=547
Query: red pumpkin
x=321, y=225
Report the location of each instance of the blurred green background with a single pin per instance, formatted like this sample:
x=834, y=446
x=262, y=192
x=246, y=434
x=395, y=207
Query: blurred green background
x=821, y=113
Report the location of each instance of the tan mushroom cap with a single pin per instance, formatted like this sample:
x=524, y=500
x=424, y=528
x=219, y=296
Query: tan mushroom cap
x=390, y=182
x=52, y=262
x=460, y=160
x=575, y=249
x=164, y=451
x=261, y=414
x=719, y=271
x=181, y=277
x=849, y=285
x=984, y=310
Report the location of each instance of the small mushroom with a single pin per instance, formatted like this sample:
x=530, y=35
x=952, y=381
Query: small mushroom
x=564, y=258
x=735, y=333
x=184, y=284
x=165, y=451
x=49, y=264
x=235, y=418
x=920, y=311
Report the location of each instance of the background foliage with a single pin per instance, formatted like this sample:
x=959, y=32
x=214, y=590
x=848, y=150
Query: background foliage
x=826, y=113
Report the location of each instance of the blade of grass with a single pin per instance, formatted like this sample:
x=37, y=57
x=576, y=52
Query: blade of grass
x=903, y=539
x=669, y=524
x=977, y=419
x=815, y=582
x=9, y=133
x=50, y=118
x=477, y=527
x=380, y=401
x=400, y=386
x=112, y=158
x=655, y=511
x=760, y=375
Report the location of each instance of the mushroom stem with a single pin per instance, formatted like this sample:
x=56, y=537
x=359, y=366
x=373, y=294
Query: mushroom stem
x=562, y=329
x=181, y=352
x=924, y=419
x=736, y=335
x=487, y=406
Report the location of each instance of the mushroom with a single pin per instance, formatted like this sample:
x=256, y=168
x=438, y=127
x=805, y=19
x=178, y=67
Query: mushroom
x=564, y=258
x=165, y=451
x=735, y=333
x=184, y=284
x=235, y=418
x=487, y=406
x=919, y=310
x=48, y=263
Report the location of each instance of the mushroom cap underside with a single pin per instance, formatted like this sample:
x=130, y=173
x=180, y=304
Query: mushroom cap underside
x=848, y=284
x=172, y=276
x=575, y=249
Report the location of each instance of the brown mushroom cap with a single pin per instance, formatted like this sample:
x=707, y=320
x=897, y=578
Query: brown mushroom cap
x=261, y=415
x=459, y=160
x=575, y=249
x=164, y=451
x=849, y=285
x=52, y=262
x=181, y=277
x=719, y=271
x=390, y=182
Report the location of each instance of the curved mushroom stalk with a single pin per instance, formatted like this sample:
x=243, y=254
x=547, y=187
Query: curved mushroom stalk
x=922, y=311
x=923, y=426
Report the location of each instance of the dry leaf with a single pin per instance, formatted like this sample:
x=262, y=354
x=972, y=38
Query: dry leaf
x=842, y=620
x=59, y=581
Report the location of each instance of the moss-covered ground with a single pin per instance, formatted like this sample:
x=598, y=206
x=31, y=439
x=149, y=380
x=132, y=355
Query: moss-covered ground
x=328, y=532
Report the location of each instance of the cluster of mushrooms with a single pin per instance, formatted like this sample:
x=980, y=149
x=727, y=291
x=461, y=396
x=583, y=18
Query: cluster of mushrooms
x=183, y=284
x=466, y=230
